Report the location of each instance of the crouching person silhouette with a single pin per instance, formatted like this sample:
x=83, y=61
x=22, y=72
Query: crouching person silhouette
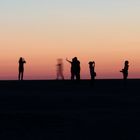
x=21, y=68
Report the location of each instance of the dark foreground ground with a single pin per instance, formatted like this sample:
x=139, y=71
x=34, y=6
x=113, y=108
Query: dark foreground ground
x=56, y=110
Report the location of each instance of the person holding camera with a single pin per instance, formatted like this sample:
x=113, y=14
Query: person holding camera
x=21, y=68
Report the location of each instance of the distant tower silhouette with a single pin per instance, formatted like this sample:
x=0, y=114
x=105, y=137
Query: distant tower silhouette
x=59, y=70
x=75, y=68
x=21, y=68
x=125, y=70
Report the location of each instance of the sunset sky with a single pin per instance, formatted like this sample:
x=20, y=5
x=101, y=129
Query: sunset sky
x=106, y=31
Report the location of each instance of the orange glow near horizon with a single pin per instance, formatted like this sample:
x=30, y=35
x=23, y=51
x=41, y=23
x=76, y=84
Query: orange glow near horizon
x=41, y=61
x=42, y=35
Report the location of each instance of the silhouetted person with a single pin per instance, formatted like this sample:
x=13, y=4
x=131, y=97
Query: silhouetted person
x=60, y=69
x=72, y=72
x=21, y=68
x=75, y=68
x=125, y=70
x=92, y=70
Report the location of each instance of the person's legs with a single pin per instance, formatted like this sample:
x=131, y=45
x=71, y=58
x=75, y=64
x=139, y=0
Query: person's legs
x=92, y=77
x=62, y=76
x=57, y=75
x=19, y=75
x=72, y=76
x=22, y=73
x=78, y=76
x=125, y=75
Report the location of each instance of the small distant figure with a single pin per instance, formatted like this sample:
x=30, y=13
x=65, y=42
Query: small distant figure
x=75, y=68
x=125, y=70
x=92, y=70
x=59, y=70
x=21, y=68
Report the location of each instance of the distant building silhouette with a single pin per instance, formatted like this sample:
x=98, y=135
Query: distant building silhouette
x=75, y=68
x=125, y=70
x=59, y=69
x=21, y=68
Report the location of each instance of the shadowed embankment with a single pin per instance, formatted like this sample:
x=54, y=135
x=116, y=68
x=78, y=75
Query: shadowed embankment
x=70, y=110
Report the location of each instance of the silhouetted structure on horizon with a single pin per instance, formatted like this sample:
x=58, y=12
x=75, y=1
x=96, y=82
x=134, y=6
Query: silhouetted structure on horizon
x=21, y=68
x=75, y=68
x=125, y=70
x=59, y=69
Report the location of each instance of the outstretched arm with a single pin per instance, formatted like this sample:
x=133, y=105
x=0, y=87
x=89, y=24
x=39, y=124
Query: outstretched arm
x=68, y=60
x=24, y=61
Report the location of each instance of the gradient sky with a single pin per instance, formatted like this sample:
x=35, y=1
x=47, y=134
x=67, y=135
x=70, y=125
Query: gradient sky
x=106, y=31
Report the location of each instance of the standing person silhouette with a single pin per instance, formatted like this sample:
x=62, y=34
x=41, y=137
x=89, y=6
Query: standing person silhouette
x=92, y=70
x=59, y=69
x=76, y=65
x=72, y=70
x=125, y=70
x=75, y=68
x=21, y=68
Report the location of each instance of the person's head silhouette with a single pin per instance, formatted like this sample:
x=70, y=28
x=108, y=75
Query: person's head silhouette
x=91, y=63
x=126, y=62
x=20, y=59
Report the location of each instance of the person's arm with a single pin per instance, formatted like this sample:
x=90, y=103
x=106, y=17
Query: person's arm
x=68, y=60
x=24, y=61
